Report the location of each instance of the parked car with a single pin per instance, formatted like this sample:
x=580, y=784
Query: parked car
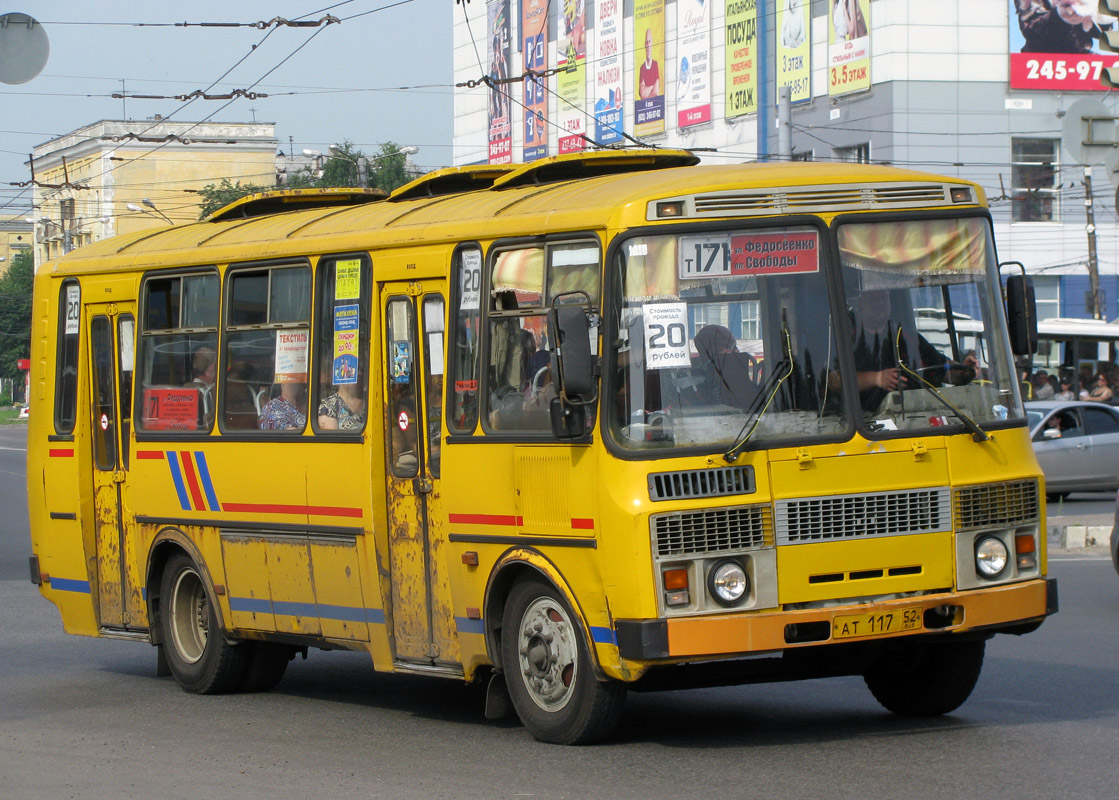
x=24, y=412
x=1077, y=444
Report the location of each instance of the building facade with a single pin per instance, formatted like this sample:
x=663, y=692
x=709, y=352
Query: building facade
x=117, y=176
x=15, y=237
x=996, y=91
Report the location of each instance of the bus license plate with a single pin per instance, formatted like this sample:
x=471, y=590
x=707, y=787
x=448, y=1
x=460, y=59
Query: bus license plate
x=853, y=625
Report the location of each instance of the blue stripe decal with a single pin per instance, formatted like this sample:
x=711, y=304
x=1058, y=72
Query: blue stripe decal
x=250, y=604
x=603, y=635
x=69, y=585
x=177, y=476
x=373, y=616
x=467, y=625
x=204, y=474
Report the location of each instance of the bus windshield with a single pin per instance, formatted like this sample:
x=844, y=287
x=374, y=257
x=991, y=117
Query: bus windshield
x=730, y=336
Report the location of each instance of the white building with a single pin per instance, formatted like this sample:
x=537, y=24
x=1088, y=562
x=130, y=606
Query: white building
x=942, y=96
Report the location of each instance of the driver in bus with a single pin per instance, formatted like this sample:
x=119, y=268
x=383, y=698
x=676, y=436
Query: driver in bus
x=877, y=363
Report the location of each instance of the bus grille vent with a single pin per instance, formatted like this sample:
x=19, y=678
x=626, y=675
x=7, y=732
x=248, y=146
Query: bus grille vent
x=792, y=200
x=996, y=505
x=692, y=483
x=713, y=530
x=856, y=516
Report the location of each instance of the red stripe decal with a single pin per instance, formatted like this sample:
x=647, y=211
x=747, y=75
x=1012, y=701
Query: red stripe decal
x=268, y=508
x=154, y=454
x=192, y=481
x=582, y=524
x=485, y=519
x=61, y=453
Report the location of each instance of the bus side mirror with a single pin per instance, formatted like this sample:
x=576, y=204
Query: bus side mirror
x=572, y=327
x=1021, y=314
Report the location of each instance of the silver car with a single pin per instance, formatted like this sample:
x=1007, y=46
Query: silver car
x=1077, y=444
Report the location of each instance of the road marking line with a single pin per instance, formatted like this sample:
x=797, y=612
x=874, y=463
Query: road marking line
x=14, y=449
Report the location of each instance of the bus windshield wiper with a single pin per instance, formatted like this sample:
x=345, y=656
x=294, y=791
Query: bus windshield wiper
x=764, y=398
x=978, y=434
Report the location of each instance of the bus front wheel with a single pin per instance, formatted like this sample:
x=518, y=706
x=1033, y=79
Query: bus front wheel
x=200, y=658
x=926, y=679
x=548, y=670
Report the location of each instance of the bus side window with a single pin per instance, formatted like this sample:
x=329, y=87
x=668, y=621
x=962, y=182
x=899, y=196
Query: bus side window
x=343, y=345
x=464, y=353
x=267, y=357
x=66, y=378
x=177, y=360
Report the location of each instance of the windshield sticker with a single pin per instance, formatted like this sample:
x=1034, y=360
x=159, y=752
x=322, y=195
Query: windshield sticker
x=704, y=256
x=775, y=253
x=666, y=335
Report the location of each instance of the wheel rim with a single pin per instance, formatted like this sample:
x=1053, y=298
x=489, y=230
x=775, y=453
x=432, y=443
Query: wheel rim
x=548, y=653
x=189, y=613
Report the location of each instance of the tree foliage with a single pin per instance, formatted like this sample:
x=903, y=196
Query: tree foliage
x=15, y=312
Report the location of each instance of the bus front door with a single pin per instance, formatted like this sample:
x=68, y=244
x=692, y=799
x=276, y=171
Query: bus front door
x=111, y=329
x=422, y=617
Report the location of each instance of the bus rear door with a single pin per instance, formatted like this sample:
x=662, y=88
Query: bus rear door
x=112, y=350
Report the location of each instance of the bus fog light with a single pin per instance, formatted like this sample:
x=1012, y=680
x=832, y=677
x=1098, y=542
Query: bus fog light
x=676, y=587
x=727, y=582
x=990, y=556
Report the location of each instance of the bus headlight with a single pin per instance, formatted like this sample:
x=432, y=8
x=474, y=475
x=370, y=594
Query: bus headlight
x=727, y=582
x=991, y=556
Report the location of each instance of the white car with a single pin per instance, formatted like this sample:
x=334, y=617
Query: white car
x=24, y=412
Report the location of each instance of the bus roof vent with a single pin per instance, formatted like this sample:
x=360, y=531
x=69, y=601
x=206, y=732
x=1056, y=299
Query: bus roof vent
x=574, y=166
x=452, y=180
x=691, y=483
x=275, y=201
x=802, y=199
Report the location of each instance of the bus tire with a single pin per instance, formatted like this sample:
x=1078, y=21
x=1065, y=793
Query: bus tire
x=200, y=658
x=926, y=679
x=265, y=665
x=548, y=670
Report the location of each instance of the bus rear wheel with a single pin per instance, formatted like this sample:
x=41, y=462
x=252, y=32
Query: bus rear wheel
x=926, y=679
x=200, y=658
x=549, y=673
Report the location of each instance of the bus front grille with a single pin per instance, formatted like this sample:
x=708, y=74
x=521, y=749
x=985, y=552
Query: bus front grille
x=857, y=516
x=686, y=484
x=712, y=530
x=820, y=198
x=996, y=505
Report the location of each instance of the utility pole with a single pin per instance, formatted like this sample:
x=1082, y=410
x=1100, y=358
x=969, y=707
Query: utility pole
x=1093, y=263
x=784, y=125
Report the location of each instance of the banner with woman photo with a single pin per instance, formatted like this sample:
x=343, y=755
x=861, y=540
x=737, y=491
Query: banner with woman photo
x=648, y=54
x=848, y=46
x=794, y=49
x=1055, y=45
x=501, y=105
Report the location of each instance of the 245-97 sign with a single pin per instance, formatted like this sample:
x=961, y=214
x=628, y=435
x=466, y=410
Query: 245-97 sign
x=1056, y=46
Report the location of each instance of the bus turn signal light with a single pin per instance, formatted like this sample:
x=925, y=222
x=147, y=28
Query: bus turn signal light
x=676, y=587
x=1025, y=547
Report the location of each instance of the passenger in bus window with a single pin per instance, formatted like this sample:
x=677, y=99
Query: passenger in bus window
x=344, y=410
x=204, y=365
x=1066, y=392
x=1101, y=391
x=286, y=412
x=724, y=371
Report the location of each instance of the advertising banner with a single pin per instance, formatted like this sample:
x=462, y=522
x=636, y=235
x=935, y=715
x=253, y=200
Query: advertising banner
x=534, y=40
x=741, y=56
x=571, y=82
x=693, y=63
x=648, y=56
x=848, y=47
x=501, y=107
x=1054, y=45
x=608, y=71
x=794, y=49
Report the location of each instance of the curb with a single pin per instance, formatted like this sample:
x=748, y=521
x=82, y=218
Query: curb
x=1078, y=537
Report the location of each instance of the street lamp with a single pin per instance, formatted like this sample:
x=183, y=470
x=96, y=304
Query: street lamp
x=151, y=205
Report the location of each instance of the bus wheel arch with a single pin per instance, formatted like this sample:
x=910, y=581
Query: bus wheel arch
x=167, y=543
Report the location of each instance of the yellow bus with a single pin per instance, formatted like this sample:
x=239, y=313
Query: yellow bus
x=606, y=421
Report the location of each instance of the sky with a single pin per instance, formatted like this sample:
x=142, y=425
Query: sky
x=384, y=73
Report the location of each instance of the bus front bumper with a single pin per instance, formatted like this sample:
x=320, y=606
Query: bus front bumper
x=990, y=610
